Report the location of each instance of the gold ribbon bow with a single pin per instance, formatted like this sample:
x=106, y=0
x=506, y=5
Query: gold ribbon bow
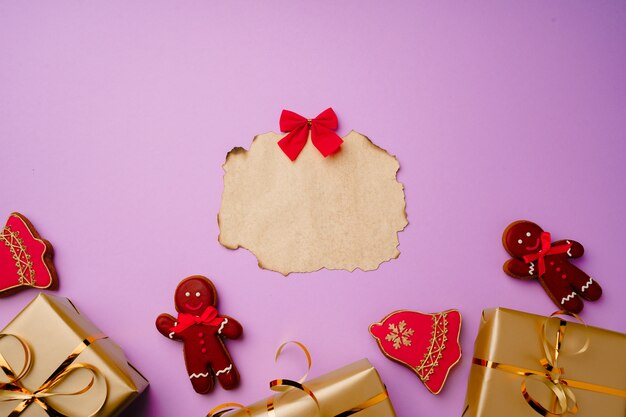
x=287, y=384
x=552, y=377
x=15, y=391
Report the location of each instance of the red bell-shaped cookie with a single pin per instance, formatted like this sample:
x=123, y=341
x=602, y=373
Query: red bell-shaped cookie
x=25, y=258
x=428, y=344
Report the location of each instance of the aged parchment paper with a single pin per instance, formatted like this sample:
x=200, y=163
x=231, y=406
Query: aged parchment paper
x=339, y=212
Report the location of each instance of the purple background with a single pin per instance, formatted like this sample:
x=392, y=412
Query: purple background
x=115, y=118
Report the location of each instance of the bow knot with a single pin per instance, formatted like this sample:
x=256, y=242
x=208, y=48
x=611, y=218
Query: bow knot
x=322, y=135
x=565, y=397
x=14, y=390
x=545, y=249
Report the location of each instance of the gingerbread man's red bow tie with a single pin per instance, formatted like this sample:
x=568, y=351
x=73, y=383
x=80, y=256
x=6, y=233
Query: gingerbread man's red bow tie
x=325, y=140
x=209, y=316
x=545, y=250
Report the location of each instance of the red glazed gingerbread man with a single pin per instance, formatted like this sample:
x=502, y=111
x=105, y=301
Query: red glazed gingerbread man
x=534, y=256
x=202, y=331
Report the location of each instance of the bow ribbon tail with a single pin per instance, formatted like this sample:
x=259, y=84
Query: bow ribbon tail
x=541, y=254
x=22, y=406
x=325, y=140
x=50, y=411
x=294, y=142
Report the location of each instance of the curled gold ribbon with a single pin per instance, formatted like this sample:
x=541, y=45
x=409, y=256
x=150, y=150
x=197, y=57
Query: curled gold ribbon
x=287, y=384
x=552, y=377
x=6, y=368
x=304, y=350
x=15, y=391
x=222, y=409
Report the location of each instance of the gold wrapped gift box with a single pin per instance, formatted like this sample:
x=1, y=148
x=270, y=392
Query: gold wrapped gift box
x=507, y=358
x=354, y=390
x=56, y=339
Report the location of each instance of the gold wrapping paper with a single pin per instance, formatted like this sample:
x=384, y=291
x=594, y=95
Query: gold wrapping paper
x=337, y=392
x=52, y=327
x=514, y=338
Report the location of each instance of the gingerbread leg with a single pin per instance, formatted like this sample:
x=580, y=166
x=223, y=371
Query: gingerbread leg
x=225, y=371
x=202, y=381
x=584, y=285
x=230, y=378
x=562, y=293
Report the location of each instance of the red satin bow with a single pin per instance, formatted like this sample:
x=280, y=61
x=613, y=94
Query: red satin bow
x=322, y=135
x=209, y=316
x=546, y=249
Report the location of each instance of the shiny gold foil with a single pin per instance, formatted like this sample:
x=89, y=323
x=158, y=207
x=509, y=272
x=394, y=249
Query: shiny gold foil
x=355, y=387
x=514, y=339
x=53, y=328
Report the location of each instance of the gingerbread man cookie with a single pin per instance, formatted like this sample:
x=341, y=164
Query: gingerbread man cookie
x=25, y=258
x=535, y=257
x=202, y=330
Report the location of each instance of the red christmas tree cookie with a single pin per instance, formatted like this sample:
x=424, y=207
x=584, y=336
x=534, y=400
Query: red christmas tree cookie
x=25, y=258
x=428, y=344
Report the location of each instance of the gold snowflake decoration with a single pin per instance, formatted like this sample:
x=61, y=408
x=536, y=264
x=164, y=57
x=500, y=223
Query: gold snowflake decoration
x=399, y=335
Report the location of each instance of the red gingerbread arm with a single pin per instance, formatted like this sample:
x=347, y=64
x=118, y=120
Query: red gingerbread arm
x=520, y=269
x=230, y=328
x=164, y=323
x=575, y=251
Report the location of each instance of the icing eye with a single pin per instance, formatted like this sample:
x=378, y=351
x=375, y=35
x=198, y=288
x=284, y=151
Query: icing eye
x=528, y=234
x=187, y=294
x=198, y=294
x=518, y=241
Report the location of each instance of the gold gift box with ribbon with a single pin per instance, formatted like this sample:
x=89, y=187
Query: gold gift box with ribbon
x=527, y=365
x=55, y=362
x=354, y=390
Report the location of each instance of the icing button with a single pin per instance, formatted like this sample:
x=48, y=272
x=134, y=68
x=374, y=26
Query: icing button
x=200, y=334
x=563, y=276
x=202, y=341
x=203, y=350
x=558, y=269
